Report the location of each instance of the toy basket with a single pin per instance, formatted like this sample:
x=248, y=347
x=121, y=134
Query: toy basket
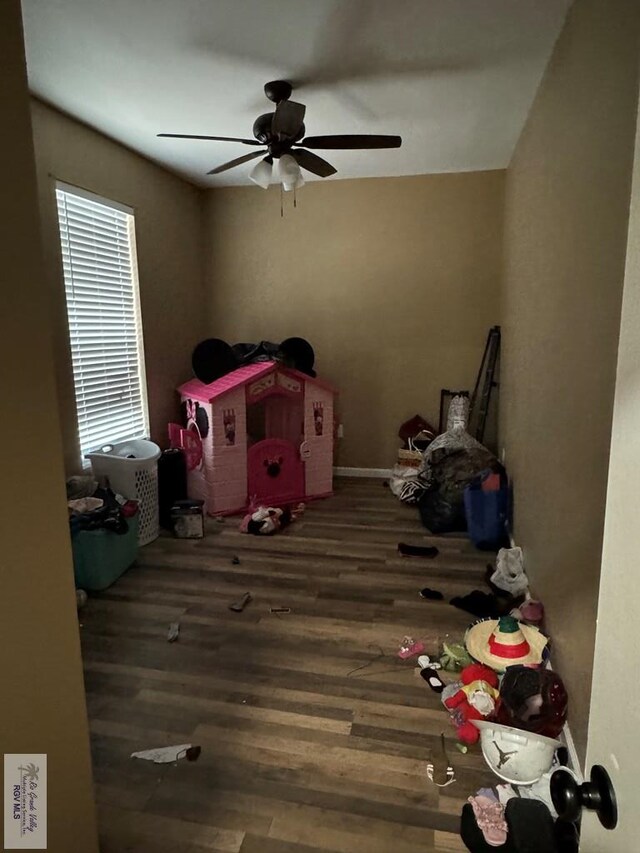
x=100, y=556
x=132, y=470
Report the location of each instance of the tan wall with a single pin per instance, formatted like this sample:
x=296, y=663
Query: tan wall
x=618, y=594
x=42, y=708
x=567, y=201
x=168, y=238
x=395, y=281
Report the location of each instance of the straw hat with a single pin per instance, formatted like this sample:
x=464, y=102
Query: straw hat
x=503, y=642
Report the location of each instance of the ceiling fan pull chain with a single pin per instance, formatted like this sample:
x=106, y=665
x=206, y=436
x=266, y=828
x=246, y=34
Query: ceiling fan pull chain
x=281, y=202
x=295, y=199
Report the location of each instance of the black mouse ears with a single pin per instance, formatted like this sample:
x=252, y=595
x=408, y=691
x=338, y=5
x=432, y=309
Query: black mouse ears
x=214, y=358
x=298, y=353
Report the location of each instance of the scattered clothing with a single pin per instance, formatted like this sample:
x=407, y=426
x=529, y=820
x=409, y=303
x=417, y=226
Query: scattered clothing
x=505, y=793
x=81, y=486
x=489, y=815
x=509, y=574
x=82, y=505
x=483, y=604
x=425, y=660
x=433, y=679
x=169, y=754
x=428, y=551
x=540, y=790
x=530, y=829
x=432, y=594
x=110, y=513
x=487, y=792
x=531, y=612
x=412, y=489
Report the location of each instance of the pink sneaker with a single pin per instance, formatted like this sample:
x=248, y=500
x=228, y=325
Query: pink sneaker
x=489, y=816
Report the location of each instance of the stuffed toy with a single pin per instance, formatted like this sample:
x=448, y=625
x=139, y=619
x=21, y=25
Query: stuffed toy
x=267, y=520
x=475, y=700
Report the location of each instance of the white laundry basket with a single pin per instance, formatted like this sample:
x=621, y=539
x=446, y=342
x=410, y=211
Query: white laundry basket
x=132, y=470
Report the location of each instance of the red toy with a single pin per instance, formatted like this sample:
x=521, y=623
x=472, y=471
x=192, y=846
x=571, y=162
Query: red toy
x=474, y=701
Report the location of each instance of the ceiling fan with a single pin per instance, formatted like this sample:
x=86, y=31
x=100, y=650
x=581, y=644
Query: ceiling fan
x=280, y=136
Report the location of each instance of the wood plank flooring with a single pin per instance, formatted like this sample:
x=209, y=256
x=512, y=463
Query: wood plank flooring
x=302, y=752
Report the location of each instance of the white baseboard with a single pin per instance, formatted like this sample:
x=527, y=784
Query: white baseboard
x=574, y=761
x=377, y=473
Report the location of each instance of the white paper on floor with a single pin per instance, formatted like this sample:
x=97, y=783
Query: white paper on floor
x=163, y=754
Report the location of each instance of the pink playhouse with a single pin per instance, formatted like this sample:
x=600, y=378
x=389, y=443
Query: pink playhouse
x=262, y=434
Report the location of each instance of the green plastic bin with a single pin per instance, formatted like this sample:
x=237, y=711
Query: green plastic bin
x=101, y=556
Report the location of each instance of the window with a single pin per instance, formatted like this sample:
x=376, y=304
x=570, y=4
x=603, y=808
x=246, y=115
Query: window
x=103, y=307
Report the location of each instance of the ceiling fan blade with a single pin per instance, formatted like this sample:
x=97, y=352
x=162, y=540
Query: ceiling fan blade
x=237, y=162
x=312, y=163
x=353, y=141
x=215, y=138
x=287, y=119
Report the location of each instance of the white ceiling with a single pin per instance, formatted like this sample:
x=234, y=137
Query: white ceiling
x=455, y=78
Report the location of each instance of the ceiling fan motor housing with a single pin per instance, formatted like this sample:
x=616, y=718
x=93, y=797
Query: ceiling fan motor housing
x=262, y=132
x=278, y=90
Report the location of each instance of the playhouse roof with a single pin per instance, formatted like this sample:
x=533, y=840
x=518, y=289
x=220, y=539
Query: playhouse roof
x=197, y=390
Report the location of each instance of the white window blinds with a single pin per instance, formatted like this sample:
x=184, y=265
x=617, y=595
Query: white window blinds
x=103, y=307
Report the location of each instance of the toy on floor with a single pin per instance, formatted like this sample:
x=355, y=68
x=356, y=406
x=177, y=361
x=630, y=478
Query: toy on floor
x=267, y=520
x=410, y=647
x=454, y=657
x=475, y=700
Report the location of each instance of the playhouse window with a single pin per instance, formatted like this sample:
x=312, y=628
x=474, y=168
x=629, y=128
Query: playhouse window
x=97, y=240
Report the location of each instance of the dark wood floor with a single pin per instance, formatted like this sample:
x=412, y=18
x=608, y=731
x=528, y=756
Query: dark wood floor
x=299, y=753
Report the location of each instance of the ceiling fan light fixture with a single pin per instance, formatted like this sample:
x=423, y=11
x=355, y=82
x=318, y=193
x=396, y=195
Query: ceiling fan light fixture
x=262, y=173
x=294, y=185
x=289, y=172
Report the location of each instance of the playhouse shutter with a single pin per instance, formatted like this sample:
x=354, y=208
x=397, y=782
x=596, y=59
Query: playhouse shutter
x=103, y=307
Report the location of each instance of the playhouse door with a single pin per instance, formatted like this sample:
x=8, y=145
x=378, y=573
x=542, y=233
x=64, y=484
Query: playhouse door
x=276, y=472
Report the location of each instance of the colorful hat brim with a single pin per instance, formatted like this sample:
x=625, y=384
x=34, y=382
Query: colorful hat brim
x=477, y=643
